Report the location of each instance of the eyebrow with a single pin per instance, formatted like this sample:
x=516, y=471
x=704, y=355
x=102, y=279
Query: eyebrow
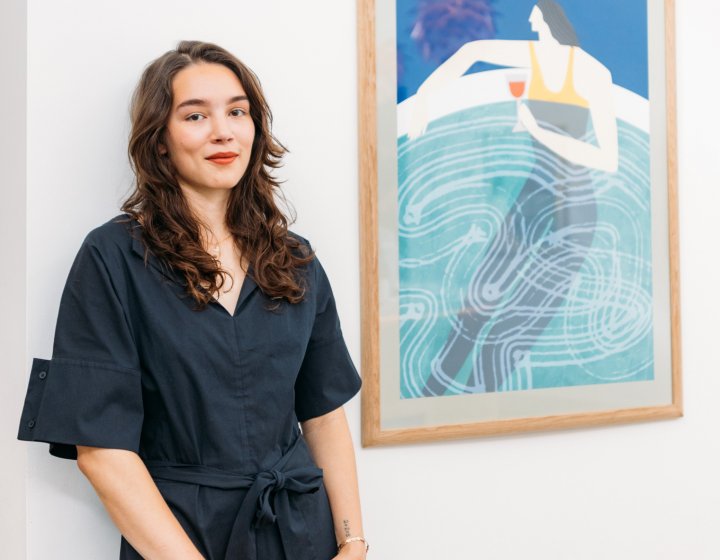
x=203, y=102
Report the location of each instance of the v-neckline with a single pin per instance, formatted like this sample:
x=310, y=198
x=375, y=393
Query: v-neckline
x=237, y=301
x=247, y=287
x=568, y=69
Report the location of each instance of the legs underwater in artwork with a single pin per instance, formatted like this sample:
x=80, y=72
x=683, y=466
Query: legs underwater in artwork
x=528, y=269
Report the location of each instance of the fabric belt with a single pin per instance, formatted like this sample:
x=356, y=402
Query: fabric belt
x=266, y=501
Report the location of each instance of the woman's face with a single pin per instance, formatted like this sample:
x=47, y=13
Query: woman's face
x=209, y=132
x=537, y=22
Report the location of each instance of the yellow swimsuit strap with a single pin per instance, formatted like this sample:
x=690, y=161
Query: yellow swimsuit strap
x=539, y=91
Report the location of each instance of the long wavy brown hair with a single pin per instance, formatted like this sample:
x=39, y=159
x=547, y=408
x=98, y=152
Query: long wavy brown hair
x=170, y=230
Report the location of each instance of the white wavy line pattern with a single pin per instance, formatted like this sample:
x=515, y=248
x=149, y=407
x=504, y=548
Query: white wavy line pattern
x=462, y=176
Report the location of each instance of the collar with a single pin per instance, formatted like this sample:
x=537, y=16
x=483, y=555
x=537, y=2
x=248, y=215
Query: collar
x=138, y=248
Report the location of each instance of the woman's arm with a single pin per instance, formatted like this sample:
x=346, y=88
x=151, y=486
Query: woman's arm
x=330, y=443
x=135, y=504
x=500, y=52
x=594, y=82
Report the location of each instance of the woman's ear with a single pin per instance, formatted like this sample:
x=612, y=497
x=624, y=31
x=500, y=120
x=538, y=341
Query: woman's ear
x=162, y=149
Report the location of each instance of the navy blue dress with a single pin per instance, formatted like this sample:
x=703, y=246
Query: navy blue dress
x=210, y=401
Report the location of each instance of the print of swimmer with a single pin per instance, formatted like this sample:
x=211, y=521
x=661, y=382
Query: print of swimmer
x=536, y=253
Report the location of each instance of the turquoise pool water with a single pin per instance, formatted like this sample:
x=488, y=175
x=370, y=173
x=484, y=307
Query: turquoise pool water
x=456, y=184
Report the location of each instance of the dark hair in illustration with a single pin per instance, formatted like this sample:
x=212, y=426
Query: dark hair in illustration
x=559, y=24
x=171, y=231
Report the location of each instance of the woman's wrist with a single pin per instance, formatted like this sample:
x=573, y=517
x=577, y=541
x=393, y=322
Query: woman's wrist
x=353, y=551
x=354, y=547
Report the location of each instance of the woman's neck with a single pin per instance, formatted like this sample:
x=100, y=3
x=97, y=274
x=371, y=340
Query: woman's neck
x=546, y=38
x=210, y=206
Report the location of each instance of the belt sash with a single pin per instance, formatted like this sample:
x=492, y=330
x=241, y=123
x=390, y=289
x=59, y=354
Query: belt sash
x=266, y=502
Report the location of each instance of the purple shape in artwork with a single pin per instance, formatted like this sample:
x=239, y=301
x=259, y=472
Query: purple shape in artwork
x=443, y=26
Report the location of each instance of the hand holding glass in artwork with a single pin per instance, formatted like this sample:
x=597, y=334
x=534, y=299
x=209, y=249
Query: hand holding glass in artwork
x=516, y=84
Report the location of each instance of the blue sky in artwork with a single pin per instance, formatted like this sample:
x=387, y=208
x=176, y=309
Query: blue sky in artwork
x=613, y=31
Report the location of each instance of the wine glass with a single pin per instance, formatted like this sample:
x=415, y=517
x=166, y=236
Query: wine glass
x=516, y=83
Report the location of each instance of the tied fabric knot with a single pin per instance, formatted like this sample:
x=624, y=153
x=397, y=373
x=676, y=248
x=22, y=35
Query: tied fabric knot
x=279, y=478
x=256, y=509
x=265, y=514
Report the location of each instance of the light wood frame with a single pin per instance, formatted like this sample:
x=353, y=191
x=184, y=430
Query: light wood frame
x=372, y=433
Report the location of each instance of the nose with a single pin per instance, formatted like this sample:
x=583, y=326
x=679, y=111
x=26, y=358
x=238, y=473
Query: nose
x=221, y=132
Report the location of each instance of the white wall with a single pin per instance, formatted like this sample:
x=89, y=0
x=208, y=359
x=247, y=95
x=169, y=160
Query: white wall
x=631, y=492
x=13, y=40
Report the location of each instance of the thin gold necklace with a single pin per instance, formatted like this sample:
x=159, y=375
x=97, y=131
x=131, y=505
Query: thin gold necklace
x=215, y=247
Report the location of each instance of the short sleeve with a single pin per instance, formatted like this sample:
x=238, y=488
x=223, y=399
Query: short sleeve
x=90, y=392
x=327, y=378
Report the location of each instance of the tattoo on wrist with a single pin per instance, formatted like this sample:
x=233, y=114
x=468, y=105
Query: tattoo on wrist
x=346, y=526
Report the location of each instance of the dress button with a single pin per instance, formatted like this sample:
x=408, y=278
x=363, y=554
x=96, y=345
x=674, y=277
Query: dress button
x=42, y=374
x=31, y=424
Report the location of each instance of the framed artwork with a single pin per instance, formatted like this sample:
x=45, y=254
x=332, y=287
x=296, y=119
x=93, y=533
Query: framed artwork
x=518, y=208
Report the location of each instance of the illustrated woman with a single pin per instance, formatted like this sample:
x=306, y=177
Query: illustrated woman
x=534, y=257
x=199, y=369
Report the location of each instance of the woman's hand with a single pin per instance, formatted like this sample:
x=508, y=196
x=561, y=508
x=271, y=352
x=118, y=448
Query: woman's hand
x=528, y=119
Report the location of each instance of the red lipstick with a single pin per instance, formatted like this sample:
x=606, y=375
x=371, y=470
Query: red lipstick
x=223, y=158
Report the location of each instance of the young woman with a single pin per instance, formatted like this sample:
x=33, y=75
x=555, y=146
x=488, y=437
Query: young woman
x=196, y=335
